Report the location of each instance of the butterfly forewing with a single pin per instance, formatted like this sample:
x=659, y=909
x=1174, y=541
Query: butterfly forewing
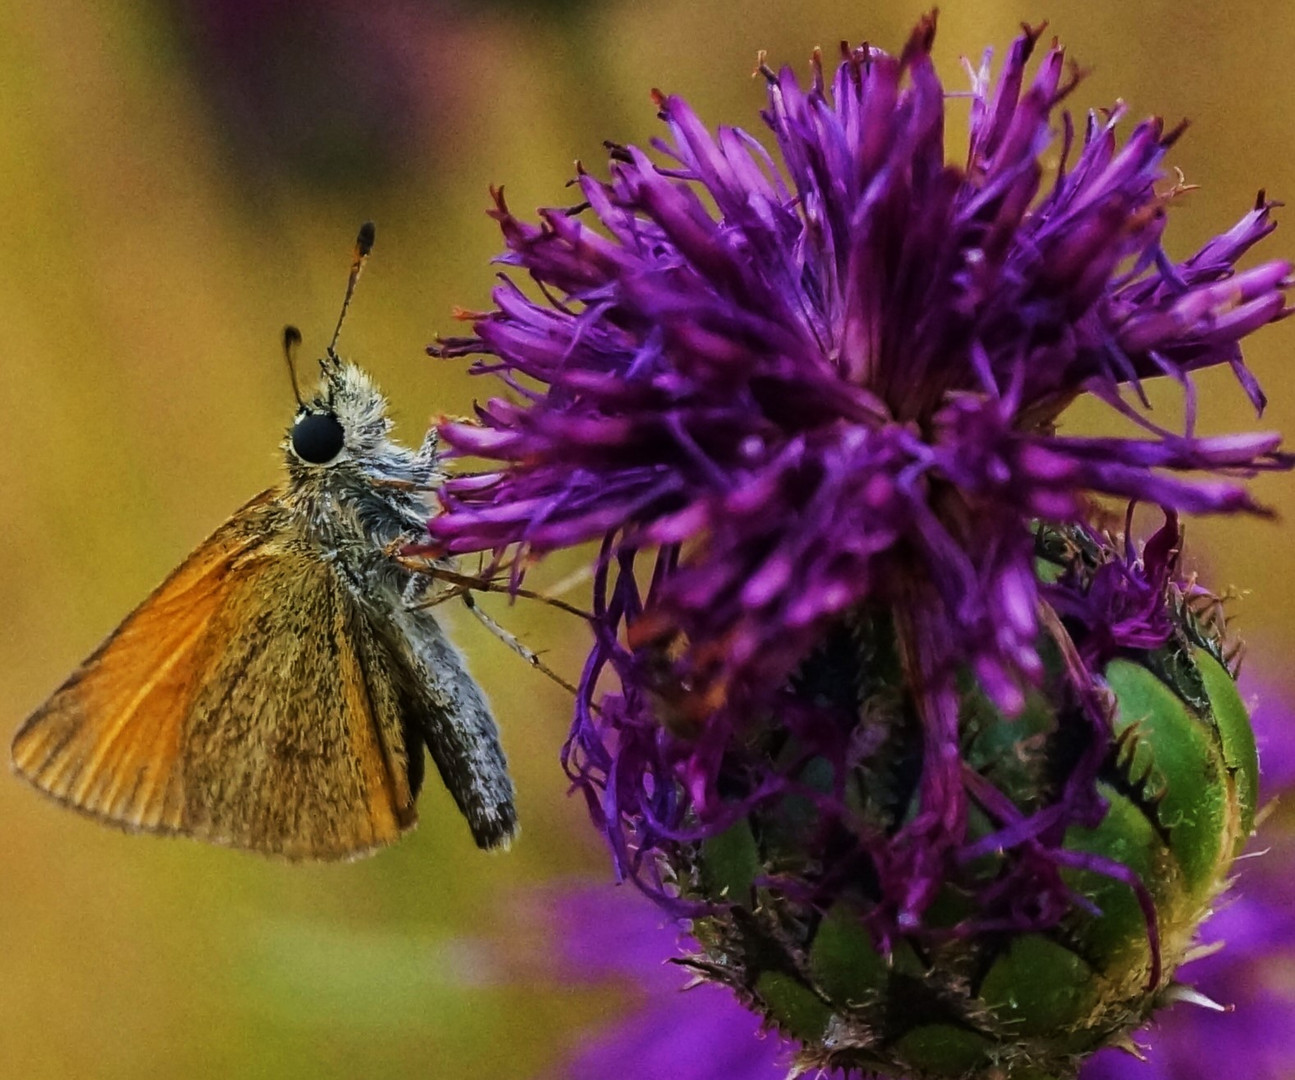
x=246, y=702
x=109, y=739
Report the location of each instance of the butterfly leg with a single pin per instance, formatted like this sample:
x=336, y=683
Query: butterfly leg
x=529, y=655
x=419, y=595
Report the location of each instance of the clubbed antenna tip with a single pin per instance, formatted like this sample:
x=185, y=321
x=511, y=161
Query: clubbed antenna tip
x=363, y=245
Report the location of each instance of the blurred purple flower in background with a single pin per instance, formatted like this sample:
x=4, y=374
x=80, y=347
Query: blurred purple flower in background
x=943, y=771
x=701, y=1034
x=330, y=92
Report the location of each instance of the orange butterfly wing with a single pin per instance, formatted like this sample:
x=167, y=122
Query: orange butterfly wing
x=245, y=702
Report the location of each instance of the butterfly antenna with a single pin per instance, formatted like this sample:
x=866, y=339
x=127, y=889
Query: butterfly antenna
x=363, y=245
x=291, y=340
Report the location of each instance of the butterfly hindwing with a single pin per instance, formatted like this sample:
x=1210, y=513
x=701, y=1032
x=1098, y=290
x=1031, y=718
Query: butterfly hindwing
x=446, y=709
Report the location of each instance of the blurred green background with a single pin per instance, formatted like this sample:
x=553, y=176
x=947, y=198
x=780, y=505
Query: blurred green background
x=180, y=180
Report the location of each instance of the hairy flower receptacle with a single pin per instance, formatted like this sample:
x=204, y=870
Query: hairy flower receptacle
x=995, y=983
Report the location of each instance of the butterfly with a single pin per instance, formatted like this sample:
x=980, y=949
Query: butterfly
x=276, y=692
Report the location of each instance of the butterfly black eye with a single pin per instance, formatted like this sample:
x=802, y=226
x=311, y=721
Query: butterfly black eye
x=317, y=438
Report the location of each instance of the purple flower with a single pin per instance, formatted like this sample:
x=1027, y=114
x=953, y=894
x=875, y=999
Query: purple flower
x=849, y=384
x=865, y=654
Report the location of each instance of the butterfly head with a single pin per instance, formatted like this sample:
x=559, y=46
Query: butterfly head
x=343, y=467
x=345, y=472
x=346, y=420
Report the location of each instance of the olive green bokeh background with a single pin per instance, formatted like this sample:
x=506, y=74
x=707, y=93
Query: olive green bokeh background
x=153, y=242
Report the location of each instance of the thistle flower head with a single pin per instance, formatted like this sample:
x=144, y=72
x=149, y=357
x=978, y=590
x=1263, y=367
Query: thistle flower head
x=855, y=625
